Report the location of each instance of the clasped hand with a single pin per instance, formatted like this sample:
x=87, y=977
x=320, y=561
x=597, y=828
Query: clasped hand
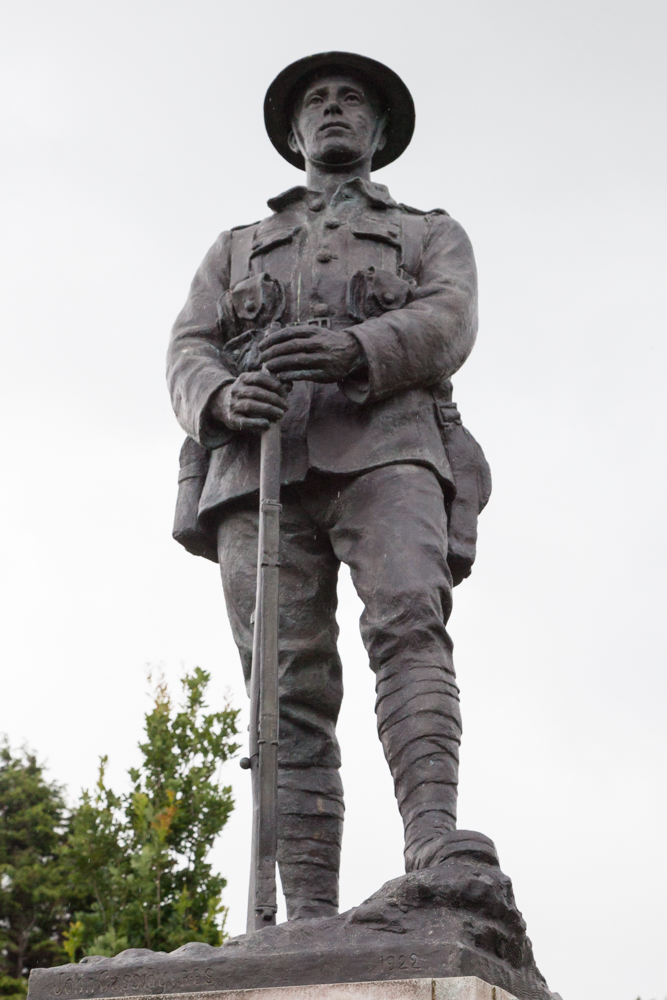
x=312, y=353
x=293, y=354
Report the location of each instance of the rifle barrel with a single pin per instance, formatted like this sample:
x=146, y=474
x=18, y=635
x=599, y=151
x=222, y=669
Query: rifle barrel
x=262, y=902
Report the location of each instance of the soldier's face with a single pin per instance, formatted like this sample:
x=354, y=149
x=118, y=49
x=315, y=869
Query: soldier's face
x=336, y=121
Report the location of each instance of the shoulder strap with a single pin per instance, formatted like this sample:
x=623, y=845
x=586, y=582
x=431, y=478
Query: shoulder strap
x=242, y=240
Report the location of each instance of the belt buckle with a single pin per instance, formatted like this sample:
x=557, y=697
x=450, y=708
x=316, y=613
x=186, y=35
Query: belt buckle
x=322, y=321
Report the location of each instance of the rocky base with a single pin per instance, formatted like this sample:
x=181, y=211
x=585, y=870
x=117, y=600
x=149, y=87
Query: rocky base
x=456, y=919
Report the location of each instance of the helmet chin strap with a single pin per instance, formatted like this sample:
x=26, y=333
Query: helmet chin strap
x=341, y=165
x=347, y=164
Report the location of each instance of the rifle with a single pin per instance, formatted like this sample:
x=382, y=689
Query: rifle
x=262, y=904
x=250, y=304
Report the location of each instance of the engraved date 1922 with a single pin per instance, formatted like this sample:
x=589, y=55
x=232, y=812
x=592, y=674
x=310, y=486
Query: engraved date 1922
x=398, y=963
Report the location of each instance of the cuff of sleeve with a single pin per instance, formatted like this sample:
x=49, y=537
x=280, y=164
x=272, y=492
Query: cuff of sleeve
x=211, y=433
x=379, y=380
x=357, y=386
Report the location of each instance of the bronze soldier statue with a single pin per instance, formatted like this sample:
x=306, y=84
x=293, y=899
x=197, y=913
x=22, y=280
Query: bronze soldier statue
x=342, y=315
x=328, y=333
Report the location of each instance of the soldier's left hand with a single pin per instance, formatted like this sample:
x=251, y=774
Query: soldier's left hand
x=310, y=353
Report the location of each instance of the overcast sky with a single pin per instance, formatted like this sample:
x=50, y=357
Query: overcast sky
x=132, y=136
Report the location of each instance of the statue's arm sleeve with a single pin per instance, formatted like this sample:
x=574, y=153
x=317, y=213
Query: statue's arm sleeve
x=431, y=337
x=196, y=367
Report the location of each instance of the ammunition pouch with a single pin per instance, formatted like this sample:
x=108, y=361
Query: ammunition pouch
x=373, y=292
x=250, y=308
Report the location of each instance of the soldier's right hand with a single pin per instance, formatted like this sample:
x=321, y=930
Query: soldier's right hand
x=251, y=402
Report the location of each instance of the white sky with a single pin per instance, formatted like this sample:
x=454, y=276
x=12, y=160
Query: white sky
x=133, y=135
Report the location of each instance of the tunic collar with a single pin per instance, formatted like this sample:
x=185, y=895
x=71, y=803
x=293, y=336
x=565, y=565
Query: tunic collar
x=377, y=195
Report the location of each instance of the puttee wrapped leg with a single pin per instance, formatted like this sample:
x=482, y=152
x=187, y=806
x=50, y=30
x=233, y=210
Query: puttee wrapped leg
x=419, y=723
x=310, y=831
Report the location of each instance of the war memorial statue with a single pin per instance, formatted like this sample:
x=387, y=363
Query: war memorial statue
x=310, y=369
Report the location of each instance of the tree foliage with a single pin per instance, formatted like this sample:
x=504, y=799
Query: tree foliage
x=33, y=907
x=119, y=870
x=12, y=988
x=137, y=863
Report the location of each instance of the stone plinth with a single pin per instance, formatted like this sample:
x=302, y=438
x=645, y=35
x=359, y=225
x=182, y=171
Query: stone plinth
x=452, y=988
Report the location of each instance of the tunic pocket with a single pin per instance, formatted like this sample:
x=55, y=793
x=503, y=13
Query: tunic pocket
x=272, y=238
x=379, y=232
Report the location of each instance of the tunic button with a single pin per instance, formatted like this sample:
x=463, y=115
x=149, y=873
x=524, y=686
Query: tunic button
x=324, y=256
x=320, y=309
x=388, y=298
x=317, y=205
x=332, y=223
x=249, y=306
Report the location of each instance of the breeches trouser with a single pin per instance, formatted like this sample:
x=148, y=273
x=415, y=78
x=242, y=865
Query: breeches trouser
x=389, y=526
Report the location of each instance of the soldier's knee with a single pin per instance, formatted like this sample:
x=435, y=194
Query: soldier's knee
x=409, y=620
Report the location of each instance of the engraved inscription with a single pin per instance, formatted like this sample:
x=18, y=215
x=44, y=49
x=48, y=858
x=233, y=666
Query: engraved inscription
x=393, y=964
x=138, y=981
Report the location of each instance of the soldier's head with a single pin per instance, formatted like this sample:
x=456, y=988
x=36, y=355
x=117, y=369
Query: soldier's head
x=337, y=120
x=337, y=109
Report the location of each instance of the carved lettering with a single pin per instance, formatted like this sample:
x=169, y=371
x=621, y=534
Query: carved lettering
x=391, y=964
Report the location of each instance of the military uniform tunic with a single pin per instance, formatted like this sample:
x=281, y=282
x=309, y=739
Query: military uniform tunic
x=422, y=330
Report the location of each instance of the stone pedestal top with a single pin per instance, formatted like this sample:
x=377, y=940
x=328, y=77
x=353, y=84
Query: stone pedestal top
x=451, y=988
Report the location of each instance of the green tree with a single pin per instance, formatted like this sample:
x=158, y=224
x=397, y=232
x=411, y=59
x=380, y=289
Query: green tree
x=137, y=863
x=33, y=907
x=12, y=988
